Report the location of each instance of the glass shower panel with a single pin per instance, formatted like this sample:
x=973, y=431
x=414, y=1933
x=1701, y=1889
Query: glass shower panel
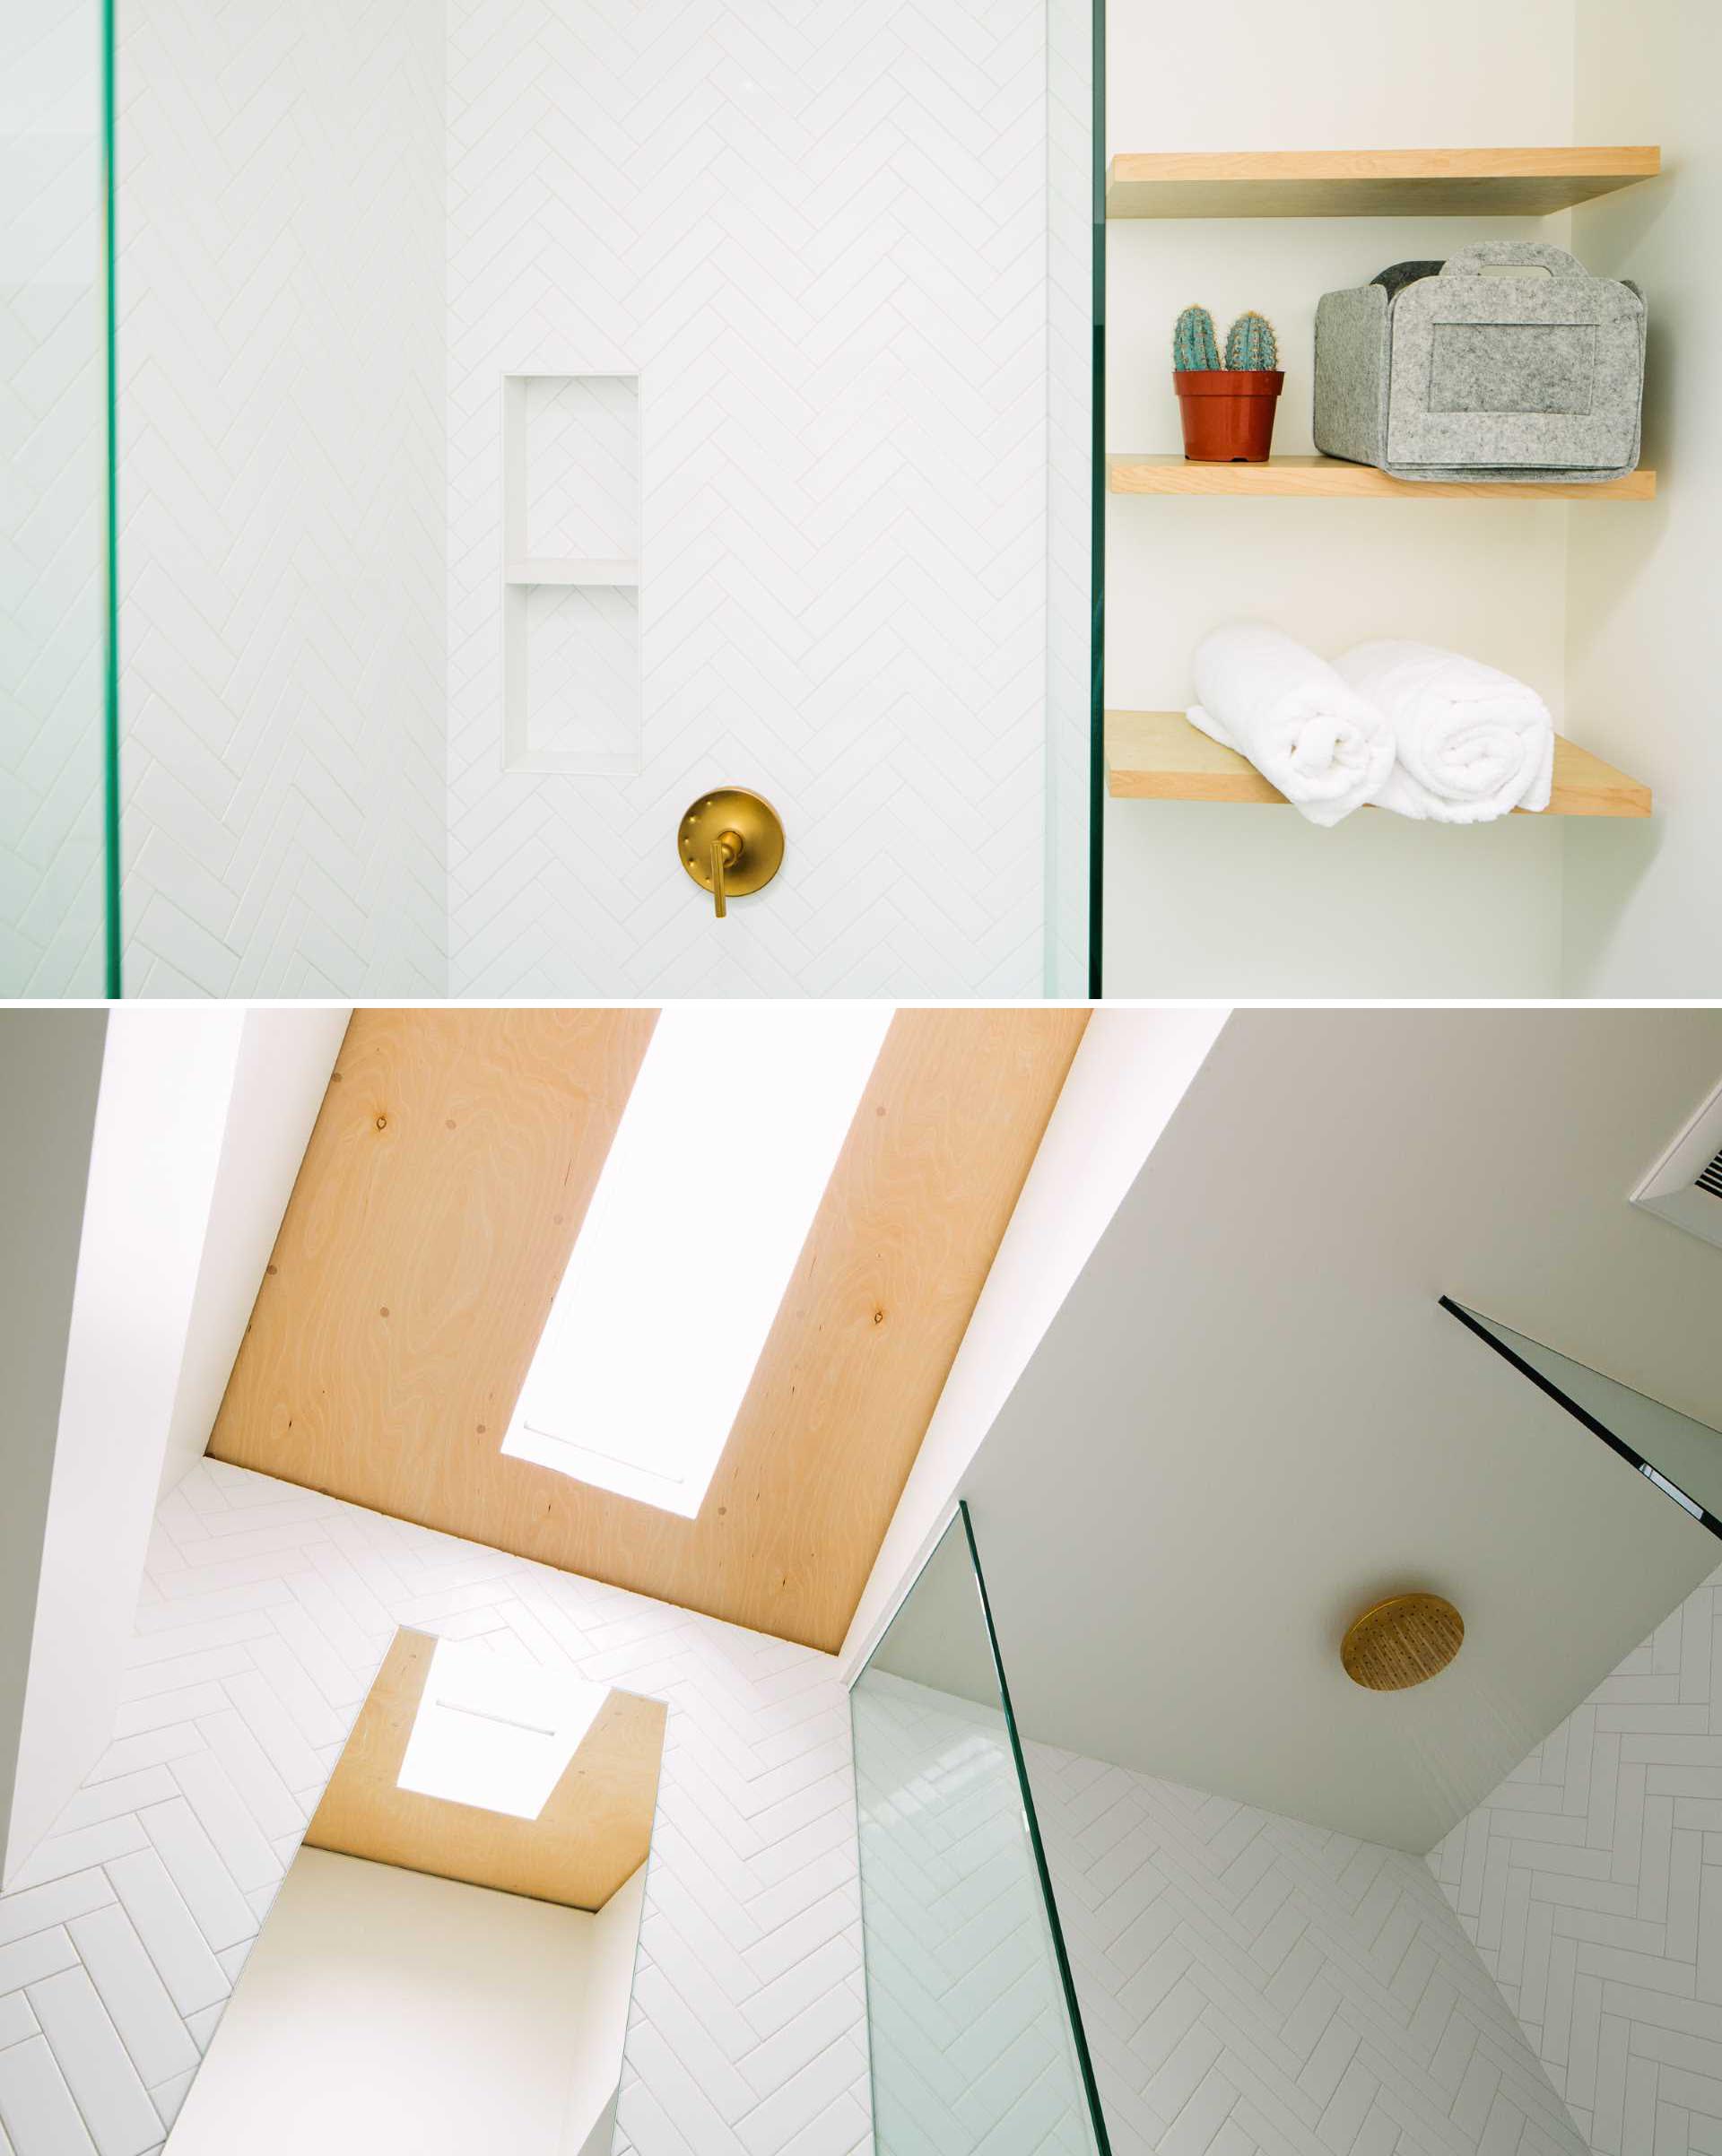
x=1681, y=1455
x=973, y=2030
x=57, y=694
x=1075, y=269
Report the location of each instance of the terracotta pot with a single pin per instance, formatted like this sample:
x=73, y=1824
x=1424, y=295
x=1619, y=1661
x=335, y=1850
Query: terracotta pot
x=1228, y=417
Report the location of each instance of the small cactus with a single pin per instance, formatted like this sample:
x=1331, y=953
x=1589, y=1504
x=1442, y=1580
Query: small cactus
x=1194, y=349
x=1250, y=347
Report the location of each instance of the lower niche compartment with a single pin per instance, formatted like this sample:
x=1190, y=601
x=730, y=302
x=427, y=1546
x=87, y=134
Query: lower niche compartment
x=571, y=678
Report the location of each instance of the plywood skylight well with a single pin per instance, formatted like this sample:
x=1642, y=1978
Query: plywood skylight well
x=454, y=1173
x=713, y=1176
x=580, y=1832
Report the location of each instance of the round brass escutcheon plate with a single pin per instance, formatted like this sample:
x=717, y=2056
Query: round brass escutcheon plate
x=1403, y=1641
x=748, y=829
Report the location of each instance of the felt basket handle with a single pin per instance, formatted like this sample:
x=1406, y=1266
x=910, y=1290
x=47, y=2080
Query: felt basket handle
x=1529, y=253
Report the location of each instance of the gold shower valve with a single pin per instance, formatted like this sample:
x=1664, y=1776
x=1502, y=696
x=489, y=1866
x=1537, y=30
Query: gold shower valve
x=726, y=852
x=731, y=843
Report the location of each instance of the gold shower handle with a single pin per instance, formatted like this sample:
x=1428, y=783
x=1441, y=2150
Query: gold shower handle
x=726, y=852
x=730, y=842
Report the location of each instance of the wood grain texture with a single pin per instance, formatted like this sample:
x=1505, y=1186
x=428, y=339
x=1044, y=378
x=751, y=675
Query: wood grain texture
x=592, y=1836
x=1371, y=182
x=1304, y=478
x=1160, y=756
x=446, y=1179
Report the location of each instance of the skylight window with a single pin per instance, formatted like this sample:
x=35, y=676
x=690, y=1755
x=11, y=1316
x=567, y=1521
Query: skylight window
x=493, y=1732
x=715, y=1171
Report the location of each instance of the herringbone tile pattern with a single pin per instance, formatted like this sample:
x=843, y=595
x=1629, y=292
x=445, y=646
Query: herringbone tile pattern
x=281, y=497
x=822, y=233
x=817, y=231
x=821, y=236
x=1591, y=1882
x=266, y=1611
x=970, y=2043
x=1249, y=1983
x=53, y=459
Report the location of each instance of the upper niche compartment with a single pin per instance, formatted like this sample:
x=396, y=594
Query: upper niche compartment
x=571, y=478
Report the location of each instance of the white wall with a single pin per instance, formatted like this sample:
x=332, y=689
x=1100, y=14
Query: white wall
x=1248, y=901
x=1130, y=1071
x=820, y=242
x=53, y=452
x=166, y=1080
x=383, y=2009
x=50, y=1073
x=1645, y=636
x=1254, y=1986
x=281, y=555
x=265, y=1614
x=203, y=1121
x=1250, y=1986
x=1591, y=1881
x=612, y=1946
x=280, y=1074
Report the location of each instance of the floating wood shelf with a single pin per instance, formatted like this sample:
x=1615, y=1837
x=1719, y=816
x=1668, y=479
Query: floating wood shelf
x=543, y=570
x=1371, y=182
x=1160, y=756
x=1303, y=478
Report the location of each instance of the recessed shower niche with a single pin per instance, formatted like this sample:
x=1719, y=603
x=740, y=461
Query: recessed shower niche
x=570, y=573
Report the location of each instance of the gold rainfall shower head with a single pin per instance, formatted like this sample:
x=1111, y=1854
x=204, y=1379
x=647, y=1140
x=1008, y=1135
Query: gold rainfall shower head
x=1402, y=1641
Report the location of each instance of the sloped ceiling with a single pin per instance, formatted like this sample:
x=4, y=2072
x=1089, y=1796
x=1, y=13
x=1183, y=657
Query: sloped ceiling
x=445, y=1183
x=1251, y=1418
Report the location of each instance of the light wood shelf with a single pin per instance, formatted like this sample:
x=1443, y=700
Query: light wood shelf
x=1160, y=756
x=1371, y=182
x=547, y=569
x=1307, y=478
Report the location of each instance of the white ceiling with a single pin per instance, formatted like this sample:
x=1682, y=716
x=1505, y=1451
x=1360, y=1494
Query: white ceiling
x=1250, y=1418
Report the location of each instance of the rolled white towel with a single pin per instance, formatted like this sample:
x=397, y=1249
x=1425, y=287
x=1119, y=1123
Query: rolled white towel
x=1470, y=743
x=1326, y=748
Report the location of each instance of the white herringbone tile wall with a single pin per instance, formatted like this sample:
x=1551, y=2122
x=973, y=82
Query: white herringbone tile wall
x=846, y=249
x=1591, y=1881
x=53, y=470
x=1254, y=1986
x=282, y=335
x=265, y=1612
x=970, y=2049
x=817, y=230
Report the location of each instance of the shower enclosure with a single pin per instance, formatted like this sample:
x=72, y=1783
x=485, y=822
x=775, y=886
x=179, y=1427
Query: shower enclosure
x=58, y=864
x=974, y=2033
x=1399, y=1918
x=1677, y=1454
x=528, y=420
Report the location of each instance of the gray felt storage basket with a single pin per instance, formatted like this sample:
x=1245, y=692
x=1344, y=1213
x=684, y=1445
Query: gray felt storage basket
x=1437, y=371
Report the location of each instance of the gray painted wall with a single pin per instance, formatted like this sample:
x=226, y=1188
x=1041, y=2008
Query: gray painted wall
x=50, y=1072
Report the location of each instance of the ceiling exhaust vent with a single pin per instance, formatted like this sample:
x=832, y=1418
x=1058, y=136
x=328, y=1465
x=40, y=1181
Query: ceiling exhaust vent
x=1686, y=1185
